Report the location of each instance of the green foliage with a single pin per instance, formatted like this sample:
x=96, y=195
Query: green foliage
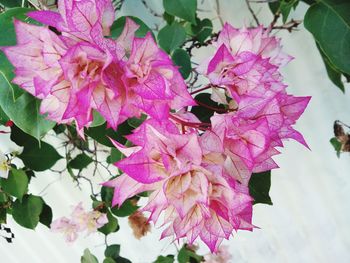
x=111, y=226
x=126, y=209
x=80, y=162
x=171, y=37
x=115, y=156
x=108, y=260
x=16, y=184
x=102, y=134
x=183, y=60
x=329, y=23
x=284, y=7
x=336, y=144
x=168, y=18
x=201, y=31
x=88, y=257
x=46, y=215
x=185, y=9
x=11, y=3
x=204, y=113
x=97, y=119
x=165, y=259
x=136, y=122
x=24, y=112
x=333, y=73
x=107, y=195
x=3, y=117
x=259, y=187
x=27, y=213
x=187, y=255
x=38, y=156
x=118, y=26
x=112, y=251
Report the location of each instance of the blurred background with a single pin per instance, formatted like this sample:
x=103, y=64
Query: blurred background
x=310, y=216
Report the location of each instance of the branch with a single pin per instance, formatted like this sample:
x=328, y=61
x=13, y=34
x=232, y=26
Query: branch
x=252, y=12
x=154, y=13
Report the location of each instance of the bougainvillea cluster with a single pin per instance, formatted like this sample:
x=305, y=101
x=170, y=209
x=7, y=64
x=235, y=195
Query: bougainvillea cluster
x=197, y=173
x=80, y=221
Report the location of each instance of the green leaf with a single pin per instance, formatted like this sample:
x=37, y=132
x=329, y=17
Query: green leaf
x=202, y=30
x=88, y=257
x=284, y=7
x=3, y=215
x=27, y=213
x=118, y=26
x=3, y=117
x=11, y=3
x=16, y=184
x=39, y=157
x=108, y=260
x=107, y=195
x=186, y=255
x=122, y=260
x=101, y=134
x=136, y=122
x=167, y=259
x=24, y=112
x=333, y=73
x=259, y=187
x=171, y=37
x=46, y=215
x=126, y=209
x=336, y=144
x=204, y=113
x=115, y=156
x=3, y=197
x=111, y=226
x=80, y=162
x=168, y=18
x=183, y=60
x=185, y=9
x=329, y=23
x=112, y=251
x=97, y=120
x=59, y=128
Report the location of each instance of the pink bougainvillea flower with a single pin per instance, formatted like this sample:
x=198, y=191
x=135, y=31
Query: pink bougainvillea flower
x=221, y=256
x=79, y=221
x=244, y=142
x=79, y=18
x=244, y=72
x=154, y=84
x=254, y=40
x=65, y=226
x=79, y=70
x=193, y=194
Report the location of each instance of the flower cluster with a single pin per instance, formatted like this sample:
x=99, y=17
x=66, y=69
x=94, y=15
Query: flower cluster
x=4, y=166
x=79, y=70
x=80, y=221
x=197, y=173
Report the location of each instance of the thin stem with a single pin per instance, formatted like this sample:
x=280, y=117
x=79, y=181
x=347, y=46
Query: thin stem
x=219, y=13
x=154, y=13
x=197, y=125
x=252, y=12
x=212, y=108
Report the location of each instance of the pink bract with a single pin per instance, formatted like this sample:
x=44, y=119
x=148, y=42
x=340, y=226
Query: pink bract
x=195, y=197
x=79, y=70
